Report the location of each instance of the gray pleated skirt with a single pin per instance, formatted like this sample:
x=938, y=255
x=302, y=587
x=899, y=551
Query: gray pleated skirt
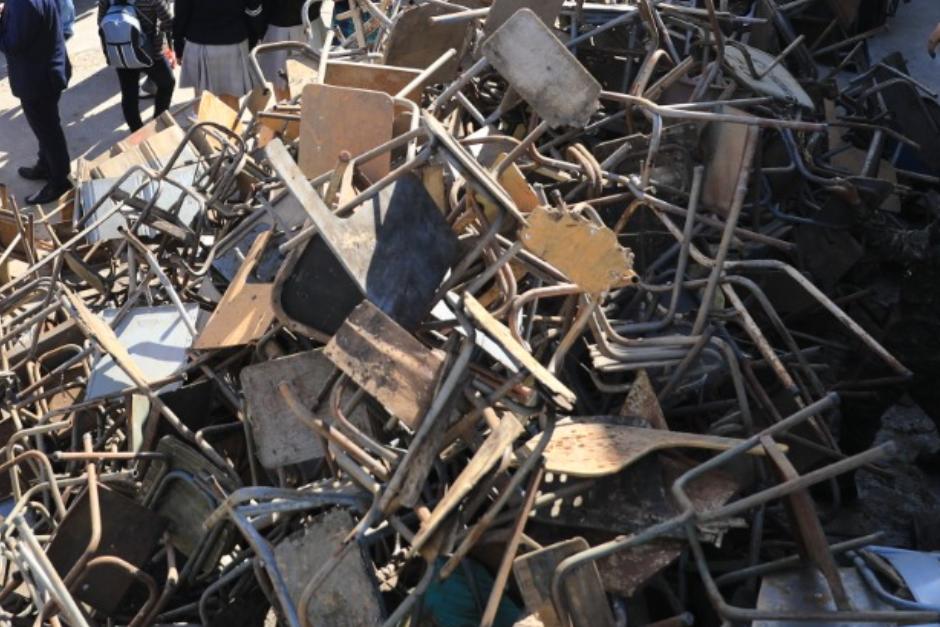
x=219, y=69
x=273, y=63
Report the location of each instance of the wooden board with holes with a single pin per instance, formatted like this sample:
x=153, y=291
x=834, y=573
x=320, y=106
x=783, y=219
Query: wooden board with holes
x=388, y=79
x=594, y=450
x=258, y=100
x=585, y=252
x=482, y=462
x=387, y=362
x=334, y=119
x=583, y=589
x=244, y=313
x=625, y=571
x=498, y=331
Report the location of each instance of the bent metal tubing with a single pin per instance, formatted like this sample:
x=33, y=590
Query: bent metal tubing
x=307, y=232
x=268, y=561
x=831, y=307
x=142, y=577
x=389, y=497
x=735, y=614
x=98, y=220
x=806, y=284
x=40, y=563
x=687, y=520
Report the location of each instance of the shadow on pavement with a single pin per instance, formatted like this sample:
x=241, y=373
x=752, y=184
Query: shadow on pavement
x=89, y=133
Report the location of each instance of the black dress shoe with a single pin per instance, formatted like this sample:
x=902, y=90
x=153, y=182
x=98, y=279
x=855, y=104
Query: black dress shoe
x=34, y=172
x=51, y=192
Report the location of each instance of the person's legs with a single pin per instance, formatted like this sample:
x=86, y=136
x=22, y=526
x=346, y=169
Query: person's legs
x=39, y=171
x=43, y=118
x=147, y=89
x=130, y=97
x=162, y=77
x=42, y=114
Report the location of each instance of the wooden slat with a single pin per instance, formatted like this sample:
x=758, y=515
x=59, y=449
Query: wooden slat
x=334, y=119
x=542, y=70
x=482, y=462
x=387, y=362
x=502, y=10
x=495, y=329
x=587, y=253
x=373, y=76
x=244, y=313
x=584, y=592
x=416, y=42
x=593, y=449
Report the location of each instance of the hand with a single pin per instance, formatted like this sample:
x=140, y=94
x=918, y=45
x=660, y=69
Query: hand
x=933, y=41
x=170, y=57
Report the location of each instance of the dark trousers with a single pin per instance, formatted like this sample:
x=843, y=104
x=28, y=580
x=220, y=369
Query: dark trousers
x=161, y=75
x=42, y=114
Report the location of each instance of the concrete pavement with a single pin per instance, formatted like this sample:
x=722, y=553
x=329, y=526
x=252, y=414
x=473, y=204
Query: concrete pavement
x=908, y=33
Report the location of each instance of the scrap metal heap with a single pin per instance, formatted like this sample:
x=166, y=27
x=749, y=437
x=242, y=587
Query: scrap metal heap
x=536, y=312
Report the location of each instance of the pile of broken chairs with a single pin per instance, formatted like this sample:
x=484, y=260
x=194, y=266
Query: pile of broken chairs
x=530, y=312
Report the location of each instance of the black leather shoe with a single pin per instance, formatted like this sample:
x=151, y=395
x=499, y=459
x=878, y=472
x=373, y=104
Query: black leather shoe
x=34, y=172
x=51, y=192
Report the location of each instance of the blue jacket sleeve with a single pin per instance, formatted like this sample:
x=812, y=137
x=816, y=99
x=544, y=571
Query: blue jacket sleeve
x=19, y=24
x=67, y=17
